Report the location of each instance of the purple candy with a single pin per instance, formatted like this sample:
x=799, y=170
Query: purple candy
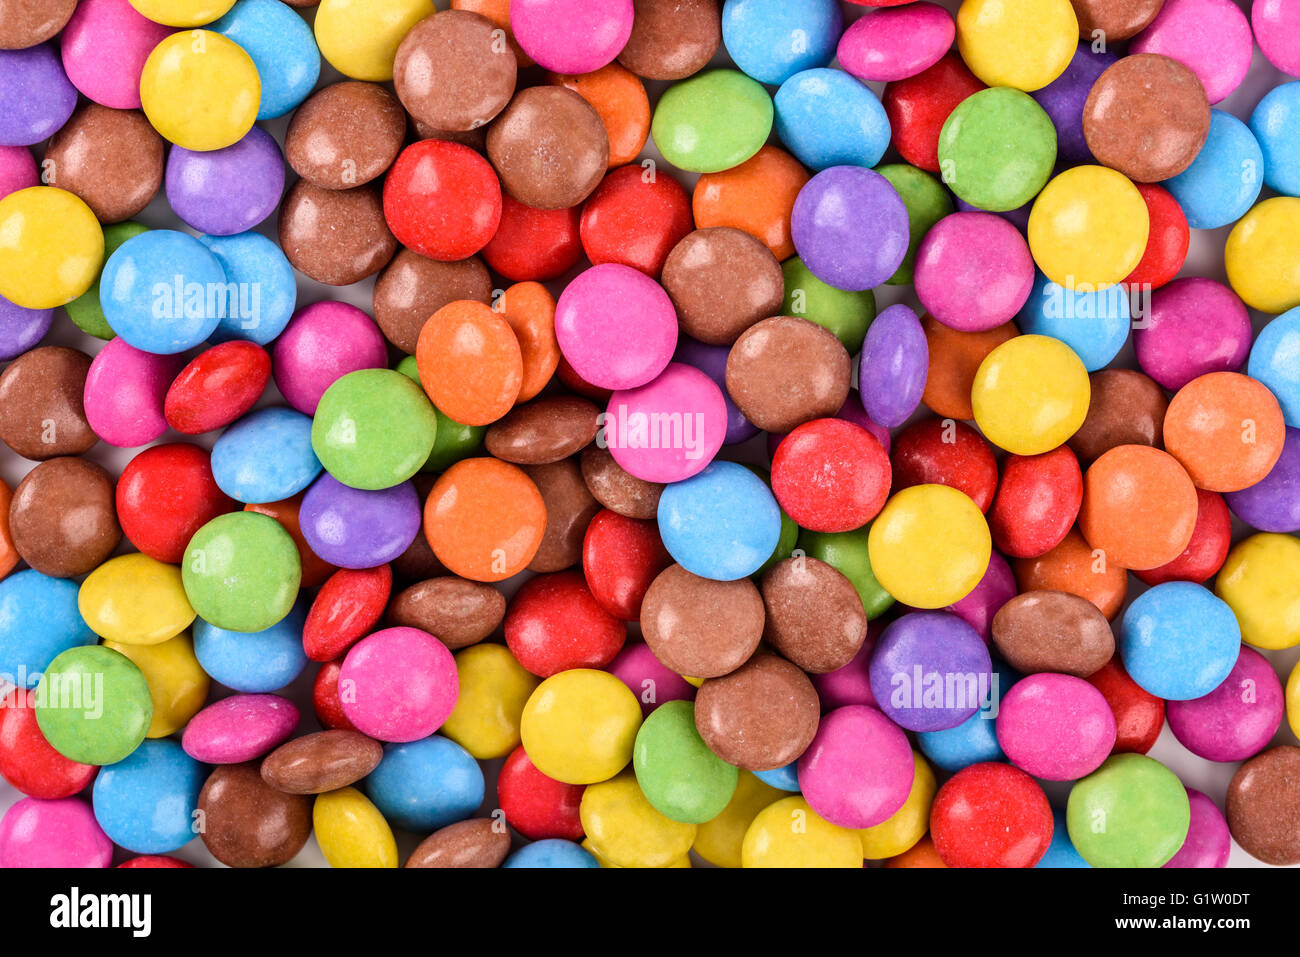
x=1209, y=842
x=227, y=191
x=712, y=361
x=930, y=671
x=850, y=684
x=995, y=589
x=355, y=528
x=20, y=328
x=894, y=366
x=1273, y=503
x=850, y=228
x=1236, y=720
x=36, y=97
x=1062, y=100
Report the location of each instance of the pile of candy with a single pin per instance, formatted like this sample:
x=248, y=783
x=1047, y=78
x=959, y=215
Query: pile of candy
x=631, y=486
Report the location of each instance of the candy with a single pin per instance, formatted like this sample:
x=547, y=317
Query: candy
x=771, y=40
x=494, y=688
x=1126, y=408
x=37, y=527
x=1252, y=581
x=555, y=624
x=320, y=762
x=672, y=43
x=894, y=366
x=484, y=519
x=700, y=627
x=1030, y=394
x=265, y=456
x=1025, y=45
x=1226, y=430
x=200, y=62
x=556, y=123
x=593, y=700
x=459, y=612
x=858, y=771
x=345, y=135
x=789, y=833
x=1139, y=715
x=914, y=562
x=1261, y=798
x=929, y=671
x=1052, y=631
x=620, y=98
x=724, y=503
x=1237, y=719
x=111, y=159
x=1037, y=502
x=337, y=237
x=347, y=607
x=635, y=221
x=1271, y=504
x=93, y=705
x=1139, y=507
x=352, y=831
x=615, y=488
x=442, y=200
x=551, y=853
x=260, y=292
x=373, y=429
x=1211, y=37
x=27, y=25
x=1074, y=567
x=785, y=371
x=695, y=131
x=241, y=572
x=282, y=48
x=1208, y=841
x=248, y=823
x=163, y=292
x=1270, y=365
x=178, y=685
x=996, y=149
x=973, y=271
x=827, y=118
x=27, y=761
x=37, y=98
x=53, y=249
x=145, y=803
x=570, y=508
x=761, y=716
x=426, y=784
x=1145, y=807
x=253, y=662
x=830, y=476
x=226, y=191
x=476, y=843
x=918, y=106
x=1195, y=326
x=1167, y=240
x=678, y=774
x=1179, y=641
x=796, y=593
x=1258, y=256
x=1055, y=727
x=62, y=833
x=991, y=815
x=534, y=244
x=1273, y=25
x=360, y=38
x=841, y=201
x=1070, y=216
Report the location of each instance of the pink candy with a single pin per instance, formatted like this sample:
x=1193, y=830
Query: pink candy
x=322, y=343
x=898, y=42
x=1195, y=326
x=1210, y=37
x=125, y=391
x=1055, y=727
x=62, y=833
x=17, y=170
x=973, y=271
x=650, y=680
x=850, y=684
x=1277, y=31
x=239, y=728
x=1209, y=842
x=858, y=770
x=571, y=36
x=667, y=430
x=398, y=684
x=105, y=45
x=995, y=589
x=1236, y=720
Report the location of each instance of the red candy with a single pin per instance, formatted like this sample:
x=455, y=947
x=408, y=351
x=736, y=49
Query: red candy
x=1208, y=549
x=945, y=452
x=536, y=806
x=1037, y=502
x=534, y=244
x=555, y=623
x=442, y=199
x=165, y=495
x=634, y=220
x=217, y=387
x=991, y=815
x=155, y=860
x=1139, y=715
x=830, y=475
x=918, y=106
x=576, y=383
x=1167, y=239
x=28, y=761
x=346, y=609
x=325, y=697
x=621, y=556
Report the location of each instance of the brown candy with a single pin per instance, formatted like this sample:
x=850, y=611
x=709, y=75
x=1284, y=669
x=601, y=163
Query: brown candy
x=549, y=147
x=722, y=281
x=615, y=488
x=320, y=762
x=1264, y=806
x=412, y=288
x=1053, y=631
x=814, y=615
x=785, y=371
x=112, y=159
x=1114, y=19
x=761, y=716
x=569, y=510
x=454, y=610
x=1146, y=116
x=63, y=517
x=455, y=71
x=475, y=139
x=419, y=562
x=543, y=430
x=25, y=23
x=41, y=409
x=671, y=39
x=700, y=627
x=247, y=823
x=479, y=842
x=337, y=237
x=345, y=135
x=1127, y=408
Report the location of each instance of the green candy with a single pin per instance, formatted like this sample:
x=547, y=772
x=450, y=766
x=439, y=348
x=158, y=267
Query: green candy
x=85, y=310
x=997, y=149
x=93, y=705
x=713, y=121
x=374, y=429
x=678, y=774
x=846, y=314
x=927, y=202
x=1131, y=812
x=241, y=572
x=846, y=552
x=455, y=440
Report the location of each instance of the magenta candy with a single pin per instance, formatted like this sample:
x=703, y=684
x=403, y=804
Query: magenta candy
x=105, y=45
x=650, y=680
x=850, y=684
x=858, y=770
x=670, y=429
x=1276, y=25
x=62, y=833
x=322, y=343
x=571, y=36
x=894, y=43
x=125, y=391
x=1211, y=38
x=403, y=684
x=239, y=728
x=995, y=589
x=1055, y=727
x=1195, y=326
x=17, y=170
x=973, y=271
x=1236, y=720
x=1209, y=842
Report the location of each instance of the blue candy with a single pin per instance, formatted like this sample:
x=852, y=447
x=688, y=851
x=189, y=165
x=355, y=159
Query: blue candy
x=1179, y=641
x=1094, y=324
x=1275, y=361
x=265, y=457
x=281, y=46
x=772, y=40
x=261, y=291
x=1276, y=125
x=721, y=524
x=552, y=852
x=783, y=779
x=828, y=118
x=427, y=784
x=146, y=802
x=253, y=662
x=39, y=621
x=1061, y=852
x=975, y=739
x=1224, y=180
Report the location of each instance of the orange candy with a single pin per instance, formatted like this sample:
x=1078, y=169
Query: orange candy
x=955, y=357
x=484, y=519
x=314, y=568
x=1139, y=507
x=8, y=554
x=920, y=854
x=470, y=362
x=498, y=11
x=757, y=197
x=1226, y=429
x=618, y=96
x=529, y=308
x=1073, y=567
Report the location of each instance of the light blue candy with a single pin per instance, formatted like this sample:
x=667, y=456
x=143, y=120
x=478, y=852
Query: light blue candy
x=1224, y=180
x=828, y=118
x=253, y=662
x=1276, y=125
x=427, y=784
x=552, y=852
x=974, y=740
x=721, y=524
x=146, y=802
x=1061, y=852
x=265, y=457
x=281, y=46
x=1179, y=641
x=783, y=779
x=261, y=291
x=1094, y=324
x=772, y=40
x=1275, y=361
x=163, y=292
x=39, y=621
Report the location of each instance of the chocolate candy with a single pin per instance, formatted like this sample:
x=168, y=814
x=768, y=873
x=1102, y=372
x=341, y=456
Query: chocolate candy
x=722, y=281
x=1053, y=631
x=1127, y=408
x=62, y=517
x=814, y=615
x=320, y=762
x=479, y=842
x=412, y=288
x=784, y=371
x=337, y=237
x=248, y=823
x=672, y=39
x=543, y=431
x=345, y=135
x=25, y=23
x=459, y=612
x=112, y=159
x=570, y=508
x=1114, y=19
x=615, y=488
x=761, y=716
x=549, y=147
x=454, y=72
x=1264, y=806
x=700, y=627
x=42, y=413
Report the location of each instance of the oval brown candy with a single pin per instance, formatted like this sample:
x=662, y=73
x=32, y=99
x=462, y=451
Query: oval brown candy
x=671, y=39
x=550, y=147
x=456, y=611
x=617, y=489
x=570, y=508
x=412, y=288
x=244, y=822
x=760, y=717
x=337, y=237
x=42, y=414
x=25, y=23
x=455, y=71
x=112, y=159
x=722, y=281
x=479, y=842
x=63, y=517
x=1127, y=408
x=320, y=762
x=785, y=371
x=699, y=627
x=345, y=135
x=814, y=615
x=543, y=430
x=1053, y=631
x=1264, y=806
x=1114, y=20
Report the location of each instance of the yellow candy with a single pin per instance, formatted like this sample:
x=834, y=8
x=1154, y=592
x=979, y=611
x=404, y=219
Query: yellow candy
x=693, y=681
x=200, y=90
x=579, y=726
x=182, y=13
x=683, y=861
x=929, y=546
x=494, y=688
x=1293, y=700
x=351, y=832
x=359, y=38
x=51, y=247
x=1021, y=43
x=909, y=823
x=1030, y=394
x=1263, y=255
x=625, y=829
x=718, y=841
x=177, y=683
x=136, y=600
x=1088, y=228
x=1259, y=583
x=791, y=834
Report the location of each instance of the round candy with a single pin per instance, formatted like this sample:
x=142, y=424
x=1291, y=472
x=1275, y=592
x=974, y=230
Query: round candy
x=93, y=705
x=1252, y=583
x=1273, y=23
x=1226, y=429
x=62, y=833
x=206, y=64
x=260, y=291
x=669, y=429
x=345, y=135
x=839, y=203
x=324, y=342
x=470, y=363
x=404, y=684
x=1054, y=631
x=1126, y=408
x=549, y=147
x=635, y=222
x=1211, y=37
x=373, y=429
x=1065, y=97
x=1261, y=795
x=163, y=292
x=39, y=619
x=1237, y=719
x=230, y=190
x=570, y=36
x=772, y=40
x=579, y=726
x=135, y=599
x=1224, y=179
x=1193, y=326
x=1275, y=123
x=534, y=244
x=426, y=784
x=1144, y=808
x=1139, y=715
x=53, y=249
x=858, y=771
x=255, y=662
x=494, y=688
x=672, y=43
x=105, y=46
x=684, y=628
x=360, y=38
x=619, y=97
x=789, y=833
x=991, y=815
x=996, y=149
x=29, y=24
x=1139, y=507
x=39, y=525
x=1179, y=641
x=37, y=98
x=266, y=456
x=727, y=503
x=27, y=761
x=177, y=682
x=827, y=118
x=785, y=371
x=442, y=200
x=1088, y=228
x=930, y=671
x=830, y=476
x=1024, y=44
x=165, y=494
x=42, y=412
x=973, y=271
x=551, y=852
x=1167, y=239
x=713, y=121
x=797, y=592
x=930, y=546
x=146, y=802
x=762, y=716
x=620, y=559
x=1030, y=394
x=1260, y=254
x=282, y=48
x=356, y=528
x=554, y=624
x=336, y=237
x=1273, y=503
x=241, y=572
x=484, y=519
x=889, y=45
x=112, y=159
x=248, y=822
x=1037, y=502
x=680, y=777
x=757, y=196
x=1055, y=727
x=1094, y=324
x=1209, y=842
x=535, y=805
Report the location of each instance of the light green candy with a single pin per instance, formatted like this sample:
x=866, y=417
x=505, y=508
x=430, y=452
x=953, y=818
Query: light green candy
x=455, y=440
x=846, y=552
x=374, y=429
x=93, y=705
x=997, y=149
x=713, y=121
x=927, y=202
x=85, y=310
x=1131, y=812
x=678, y=774
x=845, y=314
x=241, y=572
